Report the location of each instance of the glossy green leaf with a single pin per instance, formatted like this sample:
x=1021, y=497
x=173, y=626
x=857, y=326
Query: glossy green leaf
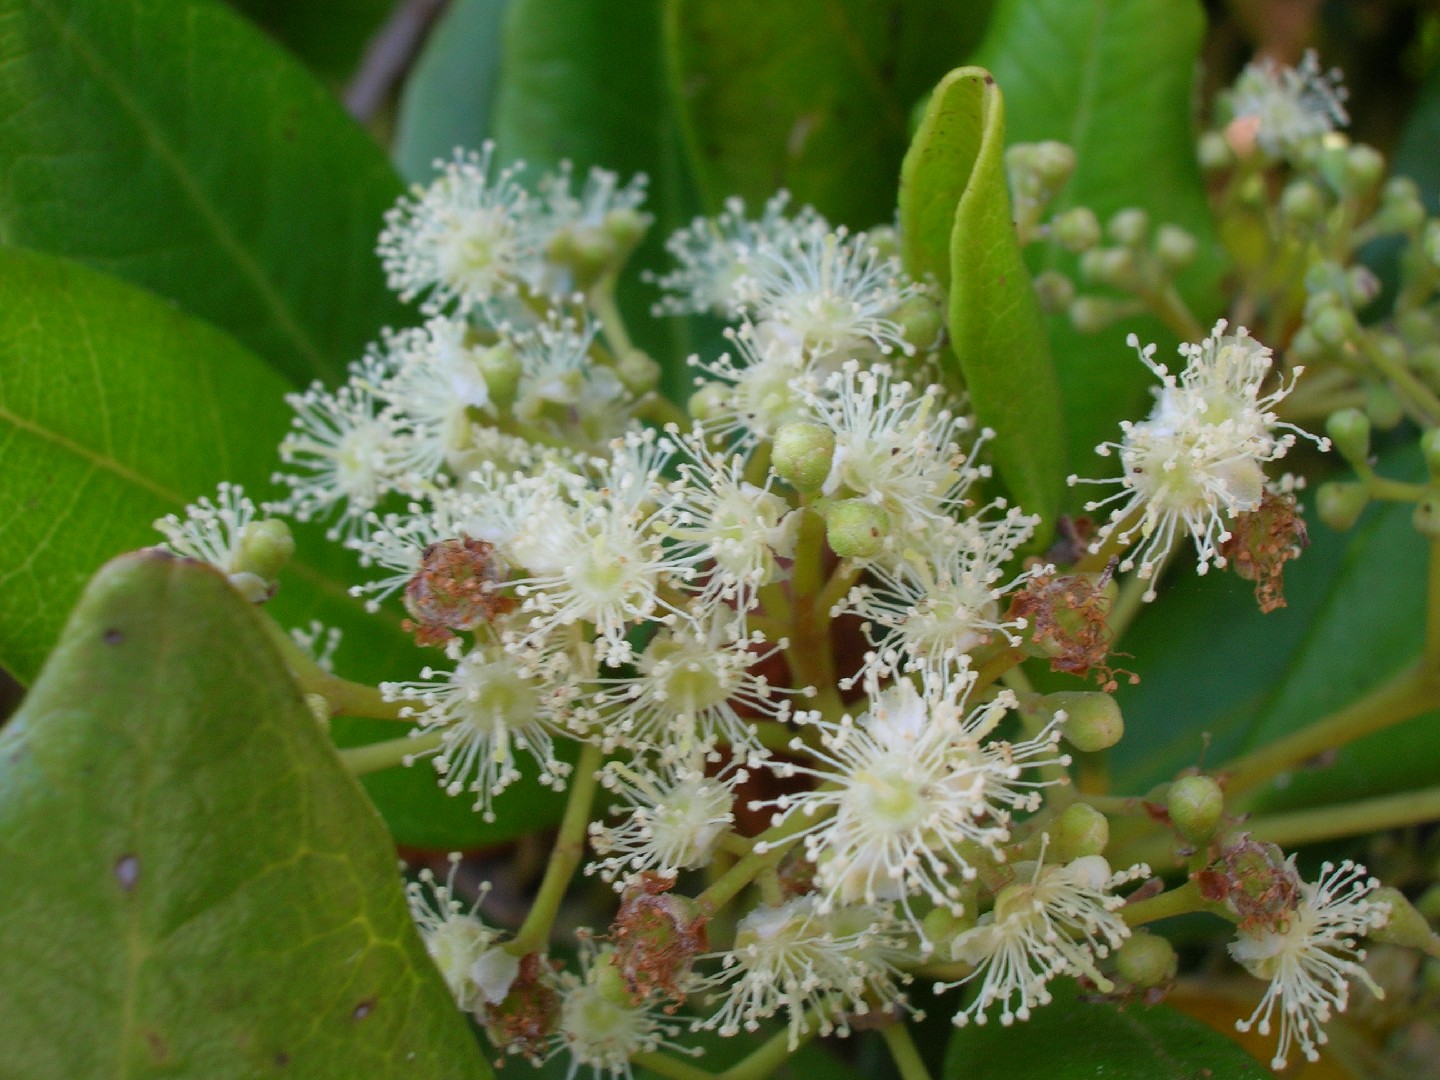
x=330, y=41
x=956, y=223
x=448, y=98
x=116, y=409
x=810, y=95
x=1072, y=1039
x=169, y=143
x=194, y=886
x=1356, y=617
x=1417, y=155
x=1115, y=80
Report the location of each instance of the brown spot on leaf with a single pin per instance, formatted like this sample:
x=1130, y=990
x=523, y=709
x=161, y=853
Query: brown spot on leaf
x=364, y=1009
x=282, y=1059
x=113, y=636
x=159, y=1049
x=127, y=871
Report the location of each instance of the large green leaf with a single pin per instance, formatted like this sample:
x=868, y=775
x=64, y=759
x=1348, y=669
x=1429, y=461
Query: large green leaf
x=1114, y=79
x=956, y=225
x=330, y=41
x=448, y=97
x=194, y=887
x=1356, y=617
x=167, y=142
x=811, y=95
x=1076, y=1040
x=116, y=409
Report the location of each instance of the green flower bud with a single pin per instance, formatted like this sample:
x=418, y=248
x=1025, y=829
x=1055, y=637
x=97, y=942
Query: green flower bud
x=1091, y=314
x=1340, y=505
x=1115, y=267
x=920, y=320
x=1417, y=327
x=1081, y=830
x=1333, y=324
x=856, y=529
x=626, y=228
x=1196, y=805
x=1055, y=290
x=1405, y=926
x=801, y=455
x=1427, y=517
x=265, y=547
x=1303, y=202
x=1429, y=903
x=1175, y=247
x=1383, y=406
x=1349, y=432
x=1129, y=226
x=1361, y=286
x=1305, y=347
x=1076, y=230
x=1425, y=361
x=1430, y=448
x=1092, y=719
x=588, y=253
x=1146, y=960
x=1363, y=168
x=638, y=371
x=501, y=368
x=1214, y=152
x=1054, y=164
x=942, y=926
x=708, y=401
x=609, y=981
x=1430, y=241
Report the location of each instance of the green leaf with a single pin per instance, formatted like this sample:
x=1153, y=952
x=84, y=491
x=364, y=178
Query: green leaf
x=1356, y=617
x=167, y=142
x=956, y=223
x=1114, y=79
x=448, y=98
x=194, y=886
x=809, y=95
x=116, y=409
x=1076, y=1040
x=330, y=42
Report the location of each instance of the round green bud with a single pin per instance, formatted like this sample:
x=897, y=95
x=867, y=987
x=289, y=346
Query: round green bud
x=1363, y=168
x=1340, y=505
x=1425, y=361
x=1055, y=290
x=586, y=251
x=626, y=228
x=1196, y=805
x=1417, y=327
x=1427, y=517
x=1305, y=347
x=502, y=370
x=1401, y=209
x=1333, y=324
x=942, y=926
x=1401, y=189
x=856, y=529
x=1349, y=432
x=1325, y=276
x=638, y=371
x=1214, y=152
x=1302, y=201
x=1146, y=960
x=1175, y=247
x=1129, y=227
x=708, y=401
x=1429, y=904
x=801, y=455
x=1076, y=230
x=1383, y=406
x=1115, y=267
x=1080, y=830
x=1092, y=719
x=265, y=547
x=1054, y=163
x=1361, y=286
x=1091, y=314
x=1430, y=448
x=920, y=320
x=1405, y=926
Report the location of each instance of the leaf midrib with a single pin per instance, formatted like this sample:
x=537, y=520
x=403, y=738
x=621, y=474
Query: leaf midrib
x=154, y=136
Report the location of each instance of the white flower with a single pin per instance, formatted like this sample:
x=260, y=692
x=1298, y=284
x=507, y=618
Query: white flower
x=1292, y=108
x=796, y=957
x=936, y=605
x=456, y=938
x=466, y=237
x=1198, y=460
x=562, y=386
x=343, y=444
x=485, y=709
x=1310, y=957
x=673, y=816
x=599, y=1027
x=215, y=533
x=835, y=292
x=566, y=220
x=759, y=387
x=318, y=642
x=1060, y=922
x=911, y=793
x=712, y=252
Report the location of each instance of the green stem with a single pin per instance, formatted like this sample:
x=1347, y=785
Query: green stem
x=359, y=760
x=1409, y=694
x=1178, y=901
x=564, y=857
x=671, y=1066
x=1174, y=313
x=612, y=323
x=903, y=1050
x=1421, y=398
x=760, y=1063
x=770, y=847
x=1348, y=819
x=1432, y=610
x=345, y=698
